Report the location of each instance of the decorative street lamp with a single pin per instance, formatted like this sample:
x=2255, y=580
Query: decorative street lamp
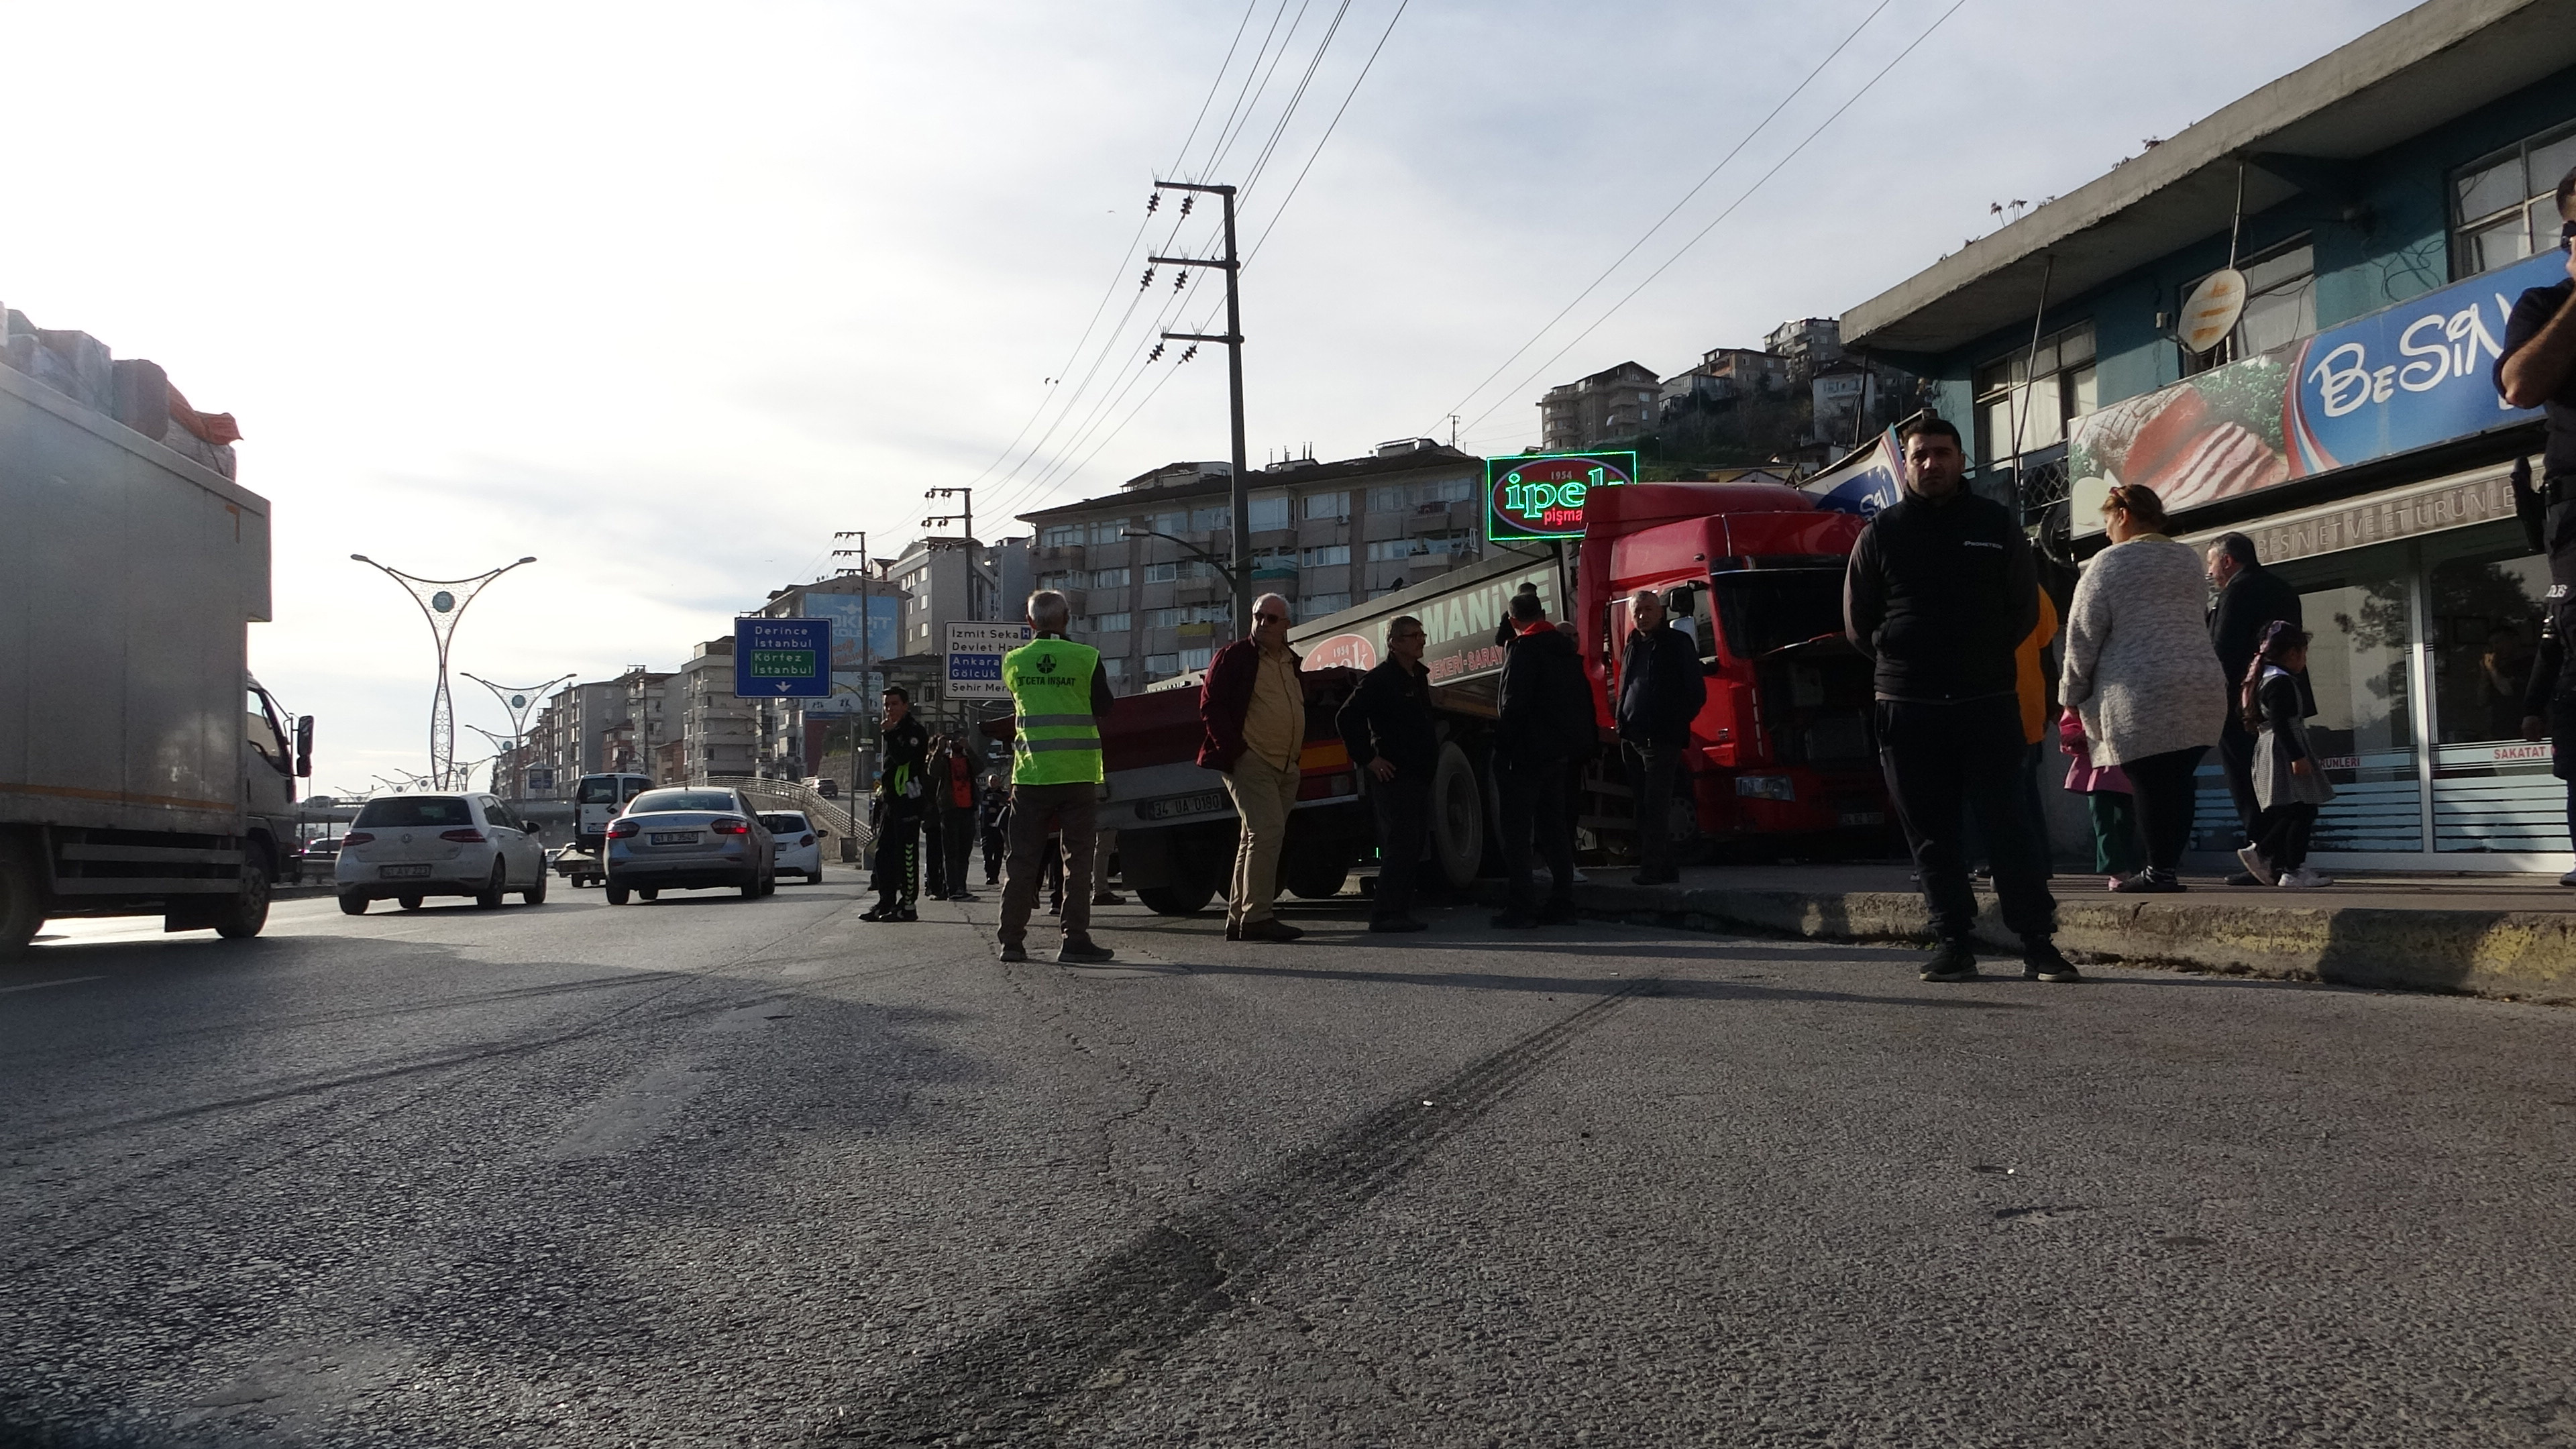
x=520, y=703
x=442, y=602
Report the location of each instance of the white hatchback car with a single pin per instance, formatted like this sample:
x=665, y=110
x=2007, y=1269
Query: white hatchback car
x=410, y=847
x=800, y=846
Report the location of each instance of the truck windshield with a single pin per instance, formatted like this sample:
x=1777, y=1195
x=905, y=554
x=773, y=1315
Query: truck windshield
x=598, y=790
x=1765, y=610
x=401, y=810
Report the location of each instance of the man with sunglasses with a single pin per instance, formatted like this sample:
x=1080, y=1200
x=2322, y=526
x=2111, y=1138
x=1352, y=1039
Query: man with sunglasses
x=2538, y=369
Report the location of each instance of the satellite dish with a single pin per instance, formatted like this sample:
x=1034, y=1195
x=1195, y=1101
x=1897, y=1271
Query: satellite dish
x=2212, y=309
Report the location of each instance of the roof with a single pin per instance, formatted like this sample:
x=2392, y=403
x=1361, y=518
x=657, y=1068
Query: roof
x=2433, y=64
x=1439, y=457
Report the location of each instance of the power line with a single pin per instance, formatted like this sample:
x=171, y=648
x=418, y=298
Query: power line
x=1273, y=222
x=1648, y=235
x=1723, y=215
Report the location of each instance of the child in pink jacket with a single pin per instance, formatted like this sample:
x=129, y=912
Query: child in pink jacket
x=2106, y=797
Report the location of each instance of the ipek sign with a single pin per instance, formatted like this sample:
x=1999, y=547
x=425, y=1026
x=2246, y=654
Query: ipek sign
x=1531, y=495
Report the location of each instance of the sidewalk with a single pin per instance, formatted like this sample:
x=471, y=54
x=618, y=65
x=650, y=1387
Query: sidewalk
x=2492, y=935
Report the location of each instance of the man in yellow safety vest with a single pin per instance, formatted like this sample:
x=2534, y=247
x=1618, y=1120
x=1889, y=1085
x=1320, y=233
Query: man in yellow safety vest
x=1059, y=695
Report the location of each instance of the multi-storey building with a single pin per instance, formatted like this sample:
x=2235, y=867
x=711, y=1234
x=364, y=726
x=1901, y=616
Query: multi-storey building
x=719, y=733
x=1325, y=535
x=1613, y=405
x=644, y=723
x=1810, y=344
x=2394, y=196
x=792, y=733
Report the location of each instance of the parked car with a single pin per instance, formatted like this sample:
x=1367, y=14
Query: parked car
x=800, y=845
x=688, y=839
x=411, y=847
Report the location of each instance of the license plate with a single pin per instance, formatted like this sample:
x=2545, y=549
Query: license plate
x=405, y=872
x=675, y=837
x=1170, y=806
x=1864, y=817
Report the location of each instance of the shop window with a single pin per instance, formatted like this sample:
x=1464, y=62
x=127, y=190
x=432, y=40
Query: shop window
x=2492, y=789
x=2280, y=306
x=2360, y=672
x=2504, y=205
x=2030, y=396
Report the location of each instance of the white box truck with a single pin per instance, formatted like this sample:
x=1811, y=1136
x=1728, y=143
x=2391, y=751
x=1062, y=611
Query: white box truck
x=142, y=770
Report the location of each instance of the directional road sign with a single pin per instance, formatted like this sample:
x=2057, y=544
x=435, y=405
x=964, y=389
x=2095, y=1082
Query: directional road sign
x=782, y=658
x=975, y=658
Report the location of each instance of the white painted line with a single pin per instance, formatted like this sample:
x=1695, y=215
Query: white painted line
x=41, y=985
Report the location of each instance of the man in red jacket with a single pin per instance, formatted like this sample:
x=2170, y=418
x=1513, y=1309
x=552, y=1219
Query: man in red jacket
x=1252, y=711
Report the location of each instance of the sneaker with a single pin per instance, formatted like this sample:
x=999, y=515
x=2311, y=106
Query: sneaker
x=2569, y=879
x=1955, y=961
x=1515, y=921
x=2042, y=961
x=2111, y=882
x=1270, y=929
x=881, y=911
x=963, y=897
x=1011, y=951
x=1084, y=953
x=2241, y=878
x=2256, y=866
x=1397, y=923
x=1108, y=898
x=906, y=914
x=2151, y=881
x=2305, y=878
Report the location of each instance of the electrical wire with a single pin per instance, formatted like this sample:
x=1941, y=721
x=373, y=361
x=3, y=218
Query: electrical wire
x=1730, y=210
x=1293, y=187
x=1738, y=149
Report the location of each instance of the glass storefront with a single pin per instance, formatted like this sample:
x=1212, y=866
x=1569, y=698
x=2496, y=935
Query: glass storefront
x=2428, y=639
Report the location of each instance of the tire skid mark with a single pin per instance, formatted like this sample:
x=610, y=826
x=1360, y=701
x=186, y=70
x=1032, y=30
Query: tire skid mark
x=1009, y=1382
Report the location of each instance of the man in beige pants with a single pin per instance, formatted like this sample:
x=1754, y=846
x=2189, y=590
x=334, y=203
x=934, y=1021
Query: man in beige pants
x=1252, y=710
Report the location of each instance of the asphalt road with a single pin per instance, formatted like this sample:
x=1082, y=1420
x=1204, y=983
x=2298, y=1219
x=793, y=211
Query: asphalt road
x=722, y=1172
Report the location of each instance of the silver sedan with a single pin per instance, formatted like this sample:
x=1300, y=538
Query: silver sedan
x=688, y=839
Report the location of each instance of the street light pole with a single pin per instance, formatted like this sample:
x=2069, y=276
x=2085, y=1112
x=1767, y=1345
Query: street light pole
x=1233, y=584
x=1232, y=266
x=519, y=703
x=867, y=657
x=442, y=602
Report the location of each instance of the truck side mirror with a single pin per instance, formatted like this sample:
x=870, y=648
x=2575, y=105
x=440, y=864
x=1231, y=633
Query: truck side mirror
x=304, y=747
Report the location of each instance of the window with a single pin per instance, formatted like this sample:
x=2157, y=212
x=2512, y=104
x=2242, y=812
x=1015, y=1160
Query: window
x=1179, y=571
x=1270, y=511
x=1059, y=535
x=1387, y=500
x=1108, y=579
x=2280, y=306
x=2012, y=407
x=1162, y=666
x=1111, y=623
x=1325, y=555
x=1108, y=530
x=1382, y=549
x=2504, y=206
x=1196, y=658
x=1273, y=563
x=398, y=811
x=1058, y=581
x=1214, y=515
x=1336, y=504
x=1445, y=490
x=1173, y=618
x=1116, y=669
x=1316, y=606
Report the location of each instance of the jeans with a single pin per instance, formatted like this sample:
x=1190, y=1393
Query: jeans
x=1038, y=811
x=2164, y=789
x=1263, y=794
x=1944, y=762
x=1652, y=769
x=1534, y=801
x=1402, y=807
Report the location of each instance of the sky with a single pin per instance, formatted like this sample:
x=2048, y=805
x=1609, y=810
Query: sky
x=667, y=295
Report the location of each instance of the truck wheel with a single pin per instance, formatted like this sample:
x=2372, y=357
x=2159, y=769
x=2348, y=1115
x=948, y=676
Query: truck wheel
x=1318, y=873
x=354, y=904
x=1176, y=900
x=22, y=905
x=489, y=898
x=245, y=914
x=1457, y=818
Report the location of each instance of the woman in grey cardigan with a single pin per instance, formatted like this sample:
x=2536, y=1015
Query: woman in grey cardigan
x=2141, y=675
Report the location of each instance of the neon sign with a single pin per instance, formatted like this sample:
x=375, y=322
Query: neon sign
x=1529, y=496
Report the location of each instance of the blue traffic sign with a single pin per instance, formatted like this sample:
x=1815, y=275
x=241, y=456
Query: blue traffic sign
x=782, y=658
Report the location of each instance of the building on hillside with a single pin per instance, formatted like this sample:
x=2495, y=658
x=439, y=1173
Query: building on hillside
x=1810, y=344
x=1325, y=535
x=2395, y=193
x=1723, y=375
x=1613, y=405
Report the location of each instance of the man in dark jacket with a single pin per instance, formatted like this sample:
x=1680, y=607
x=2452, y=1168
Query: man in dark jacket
x=901, y=797
x=1940, y=591
x=1661, y=689
x=2537, y=368
x=1252, y=717
x=1387, y=728
x=1542, y=727
x=2250, y=598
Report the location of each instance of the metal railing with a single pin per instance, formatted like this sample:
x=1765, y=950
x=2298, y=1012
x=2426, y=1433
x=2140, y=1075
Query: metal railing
x=839, y=816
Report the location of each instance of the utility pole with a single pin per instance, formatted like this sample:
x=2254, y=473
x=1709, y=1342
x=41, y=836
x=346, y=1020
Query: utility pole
x=1232, y=266
x=964, y=516
x=867, y=662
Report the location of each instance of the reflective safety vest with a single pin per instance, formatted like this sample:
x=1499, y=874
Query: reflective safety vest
x=1058, y=740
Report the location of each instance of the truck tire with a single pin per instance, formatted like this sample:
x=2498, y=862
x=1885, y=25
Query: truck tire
x=22, y=900
x=1318, y=873
x=1457, y=818
x=1176, y=900
x=245, y=914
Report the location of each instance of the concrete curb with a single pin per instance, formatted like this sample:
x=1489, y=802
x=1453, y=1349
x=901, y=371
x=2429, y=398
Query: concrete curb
x=2528, y=955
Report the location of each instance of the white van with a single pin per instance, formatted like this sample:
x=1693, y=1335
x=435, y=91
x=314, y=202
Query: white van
x=597, y=800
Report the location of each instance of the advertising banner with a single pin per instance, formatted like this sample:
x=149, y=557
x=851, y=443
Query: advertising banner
x=2398, y=379
x=1534, y=496
x=975, y=658
x=878, y=620
x=1864, y=482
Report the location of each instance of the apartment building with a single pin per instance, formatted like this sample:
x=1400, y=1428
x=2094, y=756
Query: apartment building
x=1613, y=405
x=1137, y=563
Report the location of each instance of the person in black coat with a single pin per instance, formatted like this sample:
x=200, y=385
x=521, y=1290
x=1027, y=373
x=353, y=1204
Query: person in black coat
x=1661, y=689
x=1940, y=591
x=1542, y=728
x=2251, y=598
x=1393, y=742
